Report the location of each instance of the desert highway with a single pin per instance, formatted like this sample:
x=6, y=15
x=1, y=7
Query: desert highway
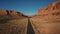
x=30, y=26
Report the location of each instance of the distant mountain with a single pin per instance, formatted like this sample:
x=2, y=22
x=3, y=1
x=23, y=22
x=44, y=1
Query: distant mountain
x=52, y=11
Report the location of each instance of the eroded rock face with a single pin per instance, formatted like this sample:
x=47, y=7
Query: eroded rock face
x=53, y=6
x=13, y=13
x=10, y=13
x=3, y=12
x=51, y=11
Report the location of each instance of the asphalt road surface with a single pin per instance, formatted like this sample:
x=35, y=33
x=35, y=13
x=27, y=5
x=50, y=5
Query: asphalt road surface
x=30, y=28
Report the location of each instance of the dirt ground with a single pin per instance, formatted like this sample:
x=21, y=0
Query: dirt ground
x=42, y=26
x=16, y=26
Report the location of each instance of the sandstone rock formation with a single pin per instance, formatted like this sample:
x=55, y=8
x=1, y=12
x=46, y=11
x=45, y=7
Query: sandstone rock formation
x=3, y=12
x=52, y=11
x=10, y=14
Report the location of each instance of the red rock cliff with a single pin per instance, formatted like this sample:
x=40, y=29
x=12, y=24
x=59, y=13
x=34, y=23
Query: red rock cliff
x=52, y=11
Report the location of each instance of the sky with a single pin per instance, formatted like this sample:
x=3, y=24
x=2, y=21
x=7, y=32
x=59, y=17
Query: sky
x=28, y=7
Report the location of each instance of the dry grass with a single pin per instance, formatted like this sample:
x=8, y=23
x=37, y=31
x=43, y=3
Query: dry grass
x=42, y=26
x=16, y=26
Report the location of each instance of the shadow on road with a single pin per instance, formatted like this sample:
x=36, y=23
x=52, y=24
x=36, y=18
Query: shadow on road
x=30, y=28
